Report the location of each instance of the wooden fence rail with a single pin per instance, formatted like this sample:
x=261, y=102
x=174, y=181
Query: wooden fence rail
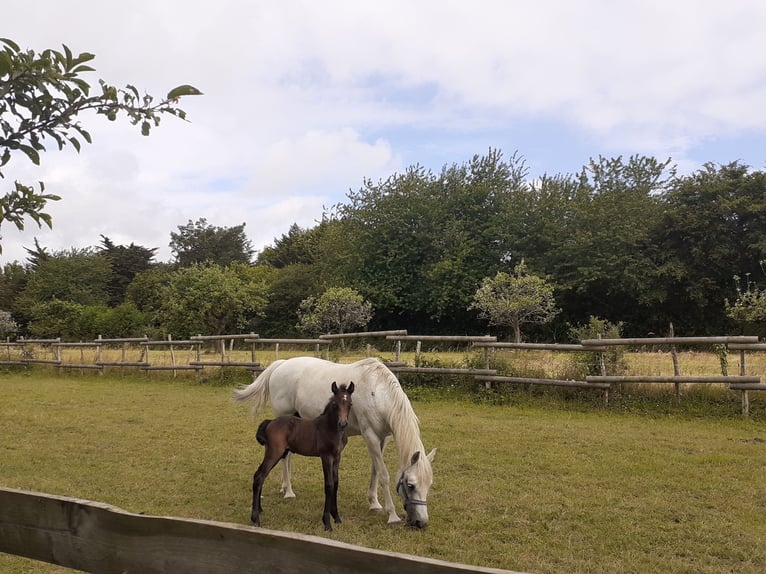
x=95, y=537
x=726, y=340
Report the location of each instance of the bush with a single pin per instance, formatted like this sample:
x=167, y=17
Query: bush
x=590, y=363
x=55, y=318
x=75, y=322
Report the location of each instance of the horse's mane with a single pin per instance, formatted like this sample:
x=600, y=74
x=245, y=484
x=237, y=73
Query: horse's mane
x=402, y=419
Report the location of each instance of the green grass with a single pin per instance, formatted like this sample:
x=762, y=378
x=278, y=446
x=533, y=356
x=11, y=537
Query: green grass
x=536, y=482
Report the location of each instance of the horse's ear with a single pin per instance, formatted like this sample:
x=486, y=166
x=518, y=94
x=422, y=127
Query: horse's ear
x=334, y=388
x=431, y=455
x=415, y=457
x=350, y=388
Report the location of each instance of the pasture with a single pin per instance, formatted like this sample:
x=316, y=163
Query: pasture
x=524, y=485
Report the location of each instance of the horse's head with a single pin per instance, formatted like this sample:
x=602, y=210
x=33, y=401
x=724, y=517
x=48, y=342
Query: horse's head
x=341, y=401
x=412, y=484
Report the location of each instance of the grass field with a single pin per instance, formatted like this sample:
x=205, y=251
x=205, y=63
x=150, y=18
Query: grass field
x=535, y=482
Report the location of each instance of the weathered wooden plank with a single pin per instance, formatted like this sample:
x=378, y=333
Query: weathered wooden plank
x=734, y=379
x=124, y=340
x=540, y=346
x=748, y=387
x=550, y=382
x=171, y=368
x=725, y=340
x=171, y=342
x=443, y=371
x=225, y=363
x=76, y=366
x=224, y=337
x=746, y=347
x=123, y=364
x=290, y=341
x=443, y=338
x=96, y=537
x=364, y=334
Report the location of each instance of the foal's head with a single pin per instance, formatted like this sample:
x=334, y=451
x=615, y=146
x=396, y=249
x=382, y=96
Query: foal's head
x=340, y=403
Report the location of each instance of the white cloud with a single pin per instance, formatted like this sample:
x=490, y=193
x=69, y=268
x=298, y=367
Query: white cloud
x=305, y=99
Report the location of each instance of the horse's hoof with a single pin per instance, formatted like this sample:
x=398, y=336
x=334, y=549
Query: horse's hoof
x=394, y=519
x=290, y=494
x=338, y=520
x=375, y=507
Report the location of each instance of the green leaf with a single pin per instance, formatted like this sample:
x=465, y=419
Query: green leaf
x=31, y=153
x=85, y=135
x=145, y=128
x=185, y=90
x=84, y=57
x=5, y=64
x=11, y=44
x=82, y=84
x=80, y=69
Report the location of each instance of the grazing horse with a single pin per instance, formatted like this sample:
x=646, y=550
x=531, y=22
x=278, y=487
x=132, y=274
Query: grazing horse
x=323, y=436
x=381, y=409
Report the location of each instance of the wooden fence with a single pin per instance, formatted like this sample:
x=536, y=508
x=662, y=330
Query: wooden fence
x=741, y=382
x=152, y=355
x=49, y=351
x=95, y=537
x=488, y=346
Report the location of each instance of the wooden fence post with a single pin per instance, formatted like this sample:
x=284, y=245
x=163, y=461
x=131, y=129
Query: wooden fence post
x=745, y=396
x=676, y=369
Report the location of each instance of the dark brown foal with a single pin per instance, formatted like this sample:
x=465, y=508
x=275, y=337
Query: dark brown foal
x=323, y=436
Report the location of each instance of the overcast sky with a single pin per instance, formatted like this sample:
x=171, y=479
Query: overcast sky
x=304, y=99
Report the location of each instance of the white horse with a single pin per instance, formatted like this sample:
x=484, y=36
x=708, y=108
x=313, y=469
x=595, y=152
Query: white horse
x=381, y=409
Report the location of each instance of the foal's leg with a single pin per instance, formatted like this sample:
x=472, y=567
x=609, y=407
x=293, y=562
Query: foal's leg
x=287, y=487
x=334, y=500
x=380, y=470
x=269, y=461
x=329, y=488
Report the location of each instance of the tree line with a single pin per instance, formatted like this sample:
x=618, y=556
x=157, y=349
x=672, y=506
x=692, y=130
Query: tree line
x=626, y=244
x=627, y=241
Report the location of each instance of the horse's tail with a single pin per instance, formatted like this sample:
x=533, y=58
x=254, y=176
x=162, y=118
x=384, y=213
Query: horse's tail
x=258, y=390
x=260, y=434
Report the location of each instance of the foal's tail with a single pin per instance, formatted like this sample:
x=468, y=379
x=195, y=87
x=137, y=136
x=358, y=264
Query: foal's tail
x=258, y=390
x=260, y=434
